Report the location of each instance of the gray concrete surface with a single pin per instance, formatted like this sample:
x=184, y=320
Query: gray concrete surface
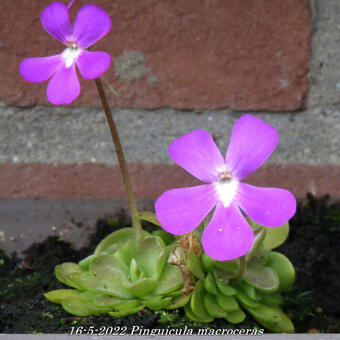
x=25, y=221
x=78, y=135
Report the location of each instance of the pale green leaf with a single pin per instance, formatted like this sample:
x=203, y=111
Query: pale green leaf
x=228, y=303
x=58, y=295
x=197, y=303
x=236, y=316
x=262, y=278
x=111, y=243
x=210, y=284
x=263, y=313
x=158, y=304
x=195, y=266
x=284, y=269
x=276, y=236
x=148, y=216
x=212, y=306
x=246, y=300
x=179, y=301
x=151, y=256
x=140, y=287
x=170, y=280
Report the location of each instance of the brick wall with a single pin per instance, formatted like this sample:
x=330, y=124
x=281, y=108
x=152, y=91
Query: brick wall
x=193, y=54
x=178, y=66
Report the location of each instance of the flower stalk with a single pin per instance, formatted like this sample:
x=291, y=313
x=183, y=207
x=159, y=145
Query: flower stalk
x=121, y=159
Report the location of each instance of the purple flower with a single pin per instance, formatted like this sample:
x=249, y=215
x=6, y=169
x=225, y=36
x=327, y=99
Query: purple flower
x=228, y=235
x=90, y=25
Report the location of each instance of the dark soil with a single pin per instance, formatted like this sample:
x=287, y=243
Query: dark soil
x=313, y=305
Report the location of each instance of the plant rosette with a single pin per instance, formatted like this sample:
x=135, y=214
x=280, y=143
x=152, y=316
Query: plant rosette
x=121, y=277
x=124, y=276
x=252, y=284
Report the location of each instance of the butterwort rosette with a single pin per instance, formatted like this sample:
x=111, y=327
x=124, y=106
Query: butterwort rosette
x=90, y=25
x=123, y=276
x=228, y=235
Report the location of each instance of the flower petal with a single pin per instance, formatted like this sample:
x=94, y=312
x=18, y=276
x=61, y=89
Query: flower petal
x=252, y=142
x=198, y=154
x=55, y=19
x=64, y=86
x=92, y=65
x=181, y=210
x=37, y=70
x=228, y=235
x=90, y=25
x=271, y=207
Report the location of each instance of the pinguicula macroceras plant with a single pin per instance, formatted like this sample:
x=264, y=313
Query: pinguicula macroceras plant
x=213, y=252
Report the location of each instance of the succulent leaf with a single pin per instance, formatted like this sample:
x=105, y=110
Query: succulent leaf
x=225, y=289
x=105, y=281
x=271, y=299
x=249, y=290
x=110, y=262
x=110, y=244
x=158, y=304
x=171, y=280
x=262, y=278
x=190, y=314
x=166, y=237
x=285, y=325
x=151, y=256
x=149, y=216
x=68, y=273
x=85, y=263
x=276, y=236
x=228, y=303
x=140, y=287
x=284, y=269
x=265, y=314
x=245, y=300
x=127, y=305
x=210, y=285
x=230, y=267
x=135, y=272
x=102, y=300
x=125, y=253
x=82, y=306
x=259, y=236
x=236, y=316
x=260, y=256
x=208, y=263
x=58, y=295
x=197, y=303
x=212, y=306
x=195, y=266
x=121, y=314
x=179, y=301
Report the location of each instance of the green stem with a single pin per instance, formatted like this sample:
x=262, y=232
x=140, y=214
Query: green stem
x=122, y=163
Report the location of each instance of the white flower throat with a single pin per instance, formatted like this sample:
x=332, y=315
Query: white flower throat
x=226, y=188
x=70, y=55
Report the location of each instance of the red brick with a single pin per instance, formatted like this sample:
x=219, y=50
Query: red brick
x=149, y=181
x=247, y=55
